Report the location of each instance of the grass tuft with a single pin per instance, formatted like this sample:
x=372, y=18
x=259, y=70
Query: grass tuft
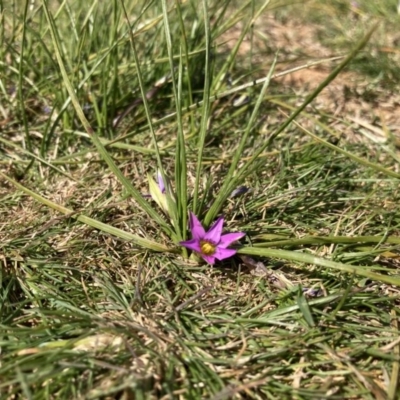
x=298, y=103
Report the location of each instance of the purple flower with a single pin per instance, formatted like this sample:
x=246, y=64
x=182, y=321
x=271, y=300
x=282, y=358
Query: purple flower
x=210, y=245
x=160, y=182
x=160, y=190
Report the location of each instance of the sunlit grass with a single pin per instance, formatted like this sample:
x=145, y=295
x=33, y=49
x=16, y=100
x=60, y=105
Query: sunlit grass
x=98, y=300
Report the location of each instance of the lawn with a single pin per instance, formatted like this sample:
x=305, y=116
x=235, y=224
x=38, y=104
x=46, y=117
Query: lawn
x=121, y=121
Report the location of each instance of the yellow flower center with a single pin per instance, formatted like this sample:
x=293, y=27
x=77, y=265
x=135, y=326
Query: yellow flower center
x=207, y=248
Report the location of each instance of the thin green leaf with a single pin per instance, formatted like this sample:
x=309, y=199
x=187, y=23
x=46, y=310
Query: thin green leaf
x=180, y=207
x=305, y=308
x=310, y=259
x=232, y=180
x=97, y=142
x=352, y=156
x=143, y=242
x=205, y=112
x=309, y=99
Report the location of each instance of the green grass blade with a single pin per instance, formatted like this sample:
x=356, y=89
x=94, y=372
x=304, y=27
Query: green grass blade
x=97, y=142
x=305, y=308
x=21, y=73
x=38, y=158
x=232, y=180
x=359, y=160
x=247, y=85
x=180, y=207
x=172, y=206
x=205, y=107
x=143, y=242
x=318, y=240
x=310, y=259
x=394, y=378
x=181, y=163
x=359, y=46
x=310, y=98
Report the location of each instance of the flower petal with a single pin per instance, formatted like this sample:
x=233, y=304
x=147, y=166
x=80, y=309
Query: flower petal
x=229, y=238
x=209, y=259
x=196, y=228
x=160, y=182
x=157, y=195
x=192, y=244
x=214, y=234
x=221, y=254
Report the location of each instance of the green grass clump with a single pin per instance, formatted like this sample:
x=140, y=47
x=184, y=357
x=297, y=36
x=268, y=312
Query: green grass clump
x=98, y=300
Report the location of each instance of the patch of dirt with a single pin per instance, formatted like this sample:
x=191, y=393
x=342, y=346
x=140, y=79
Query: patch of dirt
x=350, y=97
